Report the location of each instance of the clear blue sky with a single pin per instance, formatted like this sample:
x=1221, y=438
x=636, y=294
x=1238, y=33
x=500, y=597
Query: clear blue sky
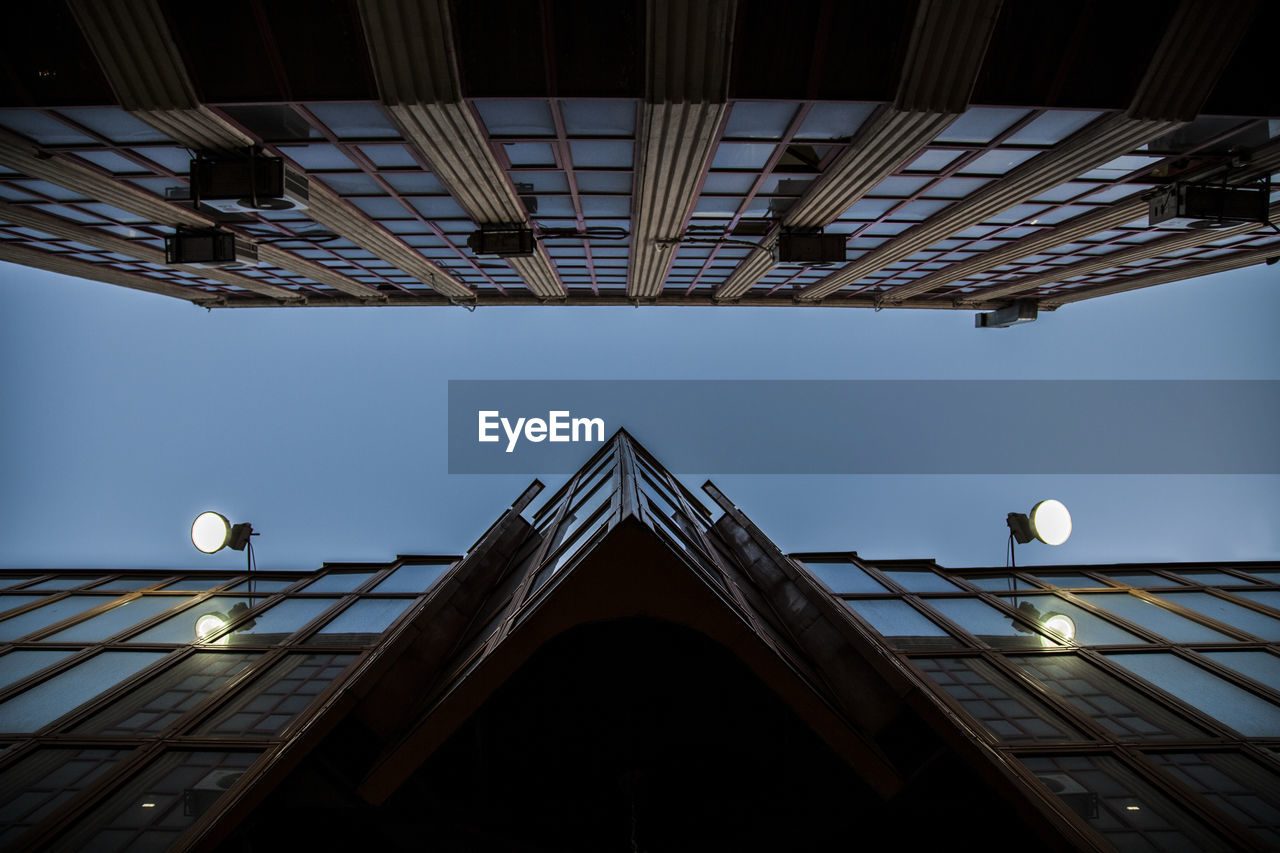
x=124, y=414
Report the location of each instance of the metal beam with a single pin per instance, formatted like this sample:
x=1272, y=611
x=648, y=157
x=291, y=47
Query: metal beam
x=57, y=226
x=54, y=262
x=416, y=67
x=137, y=53
x=1202, y=34
x=944, y=56
x=687, y=73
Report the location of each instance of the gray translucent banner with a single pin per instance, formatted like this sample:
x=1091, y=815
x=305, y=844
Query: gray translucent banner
x=873, y=426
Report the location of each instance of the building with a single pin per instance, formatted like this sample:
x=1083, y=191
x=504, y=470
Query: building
x=623, y=669
x=968, y=154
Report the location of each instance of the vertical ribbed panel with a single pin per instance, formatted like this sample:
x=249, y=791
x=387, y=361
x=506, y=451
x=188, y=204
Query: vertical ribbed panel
x=753, y=267
x=196, y=128
x=412, y=51
x=675, y=145
x=1195, y=270
x=1105, y=139
x=1196, y=47
x=1142, y=251
x=539, y=274
x=331, y=211
x=318, y=273
x=690, y=45
x=60, y=263
x=949, y=40
x=67, y=230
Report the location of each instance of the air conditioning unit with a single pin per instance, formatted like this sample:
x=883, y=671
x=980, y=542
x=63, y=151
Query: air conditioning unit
x=1019, y=311
x=502, y=241
x=247, y=184
x=809, y=248
x=197, y=799
x=1208, y=206
x=209, y=247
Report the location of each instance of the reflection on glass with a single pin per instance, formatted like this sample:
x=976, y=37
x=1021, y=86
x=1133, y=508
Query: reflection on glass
x=1106, y=699
x=417, y=578
x=48, y=700
x=922, y=581
x=989, y=624
x=338, y=582
x=1000, y=583
x=198, y=583
x=1089, y=629
x=1142, y=579
x=279, y=621
x=49, y=614
x=1261, y=666
x=902, y=624
x=1154, y=618
x=1113, y=800
x=44, y=780
x=199, y=623
x=117, y=619
x=156, y=704
x=263, y=585
x=361, y=623
x=20, y=663
x=1233, y=706
x=1235, y=615
x=1005, y=708
x=155, y=807
x=1070, y=581
x=55, y=584
x=1242, y=788
x=1211, y=578
x=1265, y=597
x=844, y=577
x=13, y=602
x=274, y=698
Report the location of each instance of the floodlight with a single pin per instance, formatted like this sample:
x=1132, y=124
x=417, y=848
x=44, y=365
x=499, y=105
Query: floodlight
x=211, y=532
x=1048, y=521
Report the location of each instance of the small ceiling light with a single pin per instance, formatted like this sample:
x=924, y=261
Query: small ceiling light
x=211, y=532
x=1048, y=521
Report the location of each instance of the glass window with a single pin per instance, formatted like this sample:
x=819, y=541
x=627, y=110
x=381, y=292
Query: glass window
x=599, y=118
x=529, y=154
x=1070, y=581
x=44, y=780
x=17, y=665
x=1224, y=611
x=263, y=585
x=1142, y=579
x=1128, y=812
x=902, y=624
x=386, y=156
x=361, y=623
x=742, y=155
x=13, y=602
x=1226, y=703
x=41, y=128
x=351, y=183
x=922, y=581
x=1261, y=666
x=198, y=583
x=1000, y=583
x=1265, y=597
x=126, y=584
x=980, y=125
x=1242, y=788
x=759, y=119
x=279, y=621
x=615, y=155
x=844, y=577
x=54, y=584
x=276, y=697
x=112, y=162
x=1112, y=703
x=338, y=582
x=996, y=162
x=49, y=614
x=990, y=624
x=363, y=120
x=197, y=623
x=45, y=702
x=833, y=121
x=318, y=155
x=113, y=621
x=417, y=578
x=1154, y=618
x=617, y=182
x=115, y=124
x=933, y=160
x=1089, y=630
x=1210, y=578
x=155, y=705
x=155, y=807
x=1005, y=708
x=1052, y=127
x=516, y=117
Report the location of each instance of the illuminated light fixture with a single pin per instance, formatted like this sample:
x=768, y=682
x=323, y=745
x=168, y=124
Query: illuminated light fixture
x=1059, y=623
x=211, y=532
x=148, y=805
x=1048, y=521
x=209, y=624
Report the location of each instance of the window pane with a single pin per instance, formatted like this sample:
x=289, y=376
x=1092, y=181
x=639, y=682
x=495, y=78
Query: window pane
x=44, y=703
x=1224, y=611
x=412, y=578
x=1113, y=704
x=1148, y=615
x=1090, y=629
x=159, y=804
x=54, y=584
x=13, y=602
x=338, y=582
x=1116, y=802
x=158, y=703
x=127, y=584
x=1070, y=581
x=198, y=583
x=44, y=780
x=1265, y=597
x=922, y=581
x=1005, y=708
x=980, y=124
x=990, y=624
x=18, y=664
x=1260, y=666
x=844, y=577
x=112, y=622
x=1210, y=578
x=197, y=623
x=599, y=118
x=362, y=622
x=1240, y=787
x=905, y=626
x=279, y=621
x=1226, y=703
x=1000, y=583
x=267, y=705
x=263, y=585
x=49, y=614
x=1142, y=579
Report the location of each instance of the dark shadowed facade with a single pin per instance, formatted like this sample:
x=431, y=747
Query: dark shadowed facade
x=623, y=670
x=964, y=154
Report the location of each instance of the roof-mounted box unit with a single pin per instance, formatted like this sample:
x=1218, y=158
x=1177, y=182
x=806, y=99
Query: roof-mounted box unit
x=809, y=248
x=209, y=247
x=1208, y=206
x=248, y=184
x=1020, y=311
x=503, y=241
